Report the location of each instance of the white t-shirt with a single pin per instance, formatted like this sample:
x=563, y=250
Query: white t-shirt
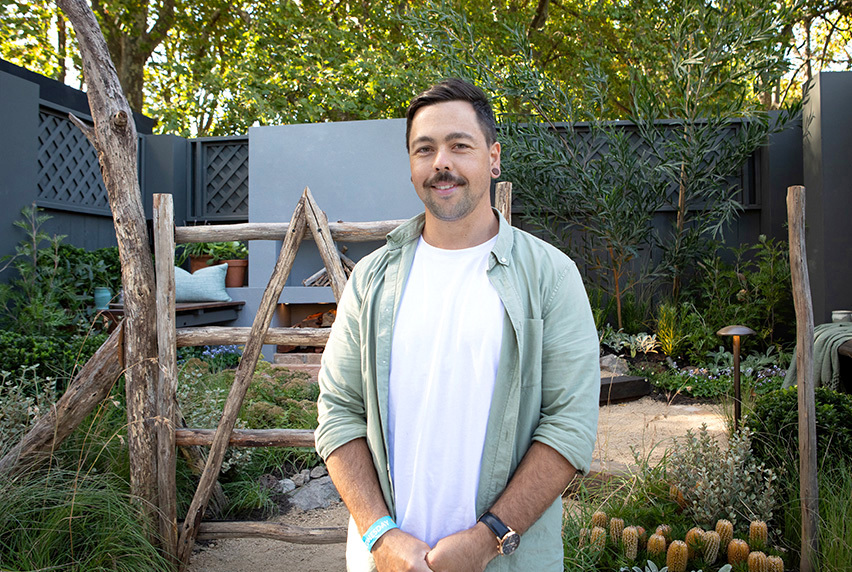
x=446, y=347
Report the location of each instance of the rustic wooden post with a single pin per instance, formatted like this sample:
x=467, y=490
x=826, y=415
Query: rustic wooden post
x=318, y=224
x=503, y=199
x=808, y=487
x=164, y=246
x=242, y=379
x=114, y=139
x=88, y=389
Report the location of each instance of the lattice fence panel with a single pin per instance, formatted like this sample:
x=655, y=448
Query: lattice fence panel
x=224, y=180
x=69, y=176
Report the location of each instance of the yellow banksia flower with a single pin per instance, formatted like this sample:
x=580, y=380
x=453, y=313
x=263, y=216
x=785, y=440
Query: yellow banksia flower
x=774, y=564
x=737, y=551
x=598, y=538
x=758, y=534
x=584, y=536
x=630, y=542
x=616, y=527
x=726, y=533
x=643, y=537
x=676, y=556
x=694, y=542
x=599, y=519
x=665, y=531
x=656, y=545
x=711, y=546
x=757, y=562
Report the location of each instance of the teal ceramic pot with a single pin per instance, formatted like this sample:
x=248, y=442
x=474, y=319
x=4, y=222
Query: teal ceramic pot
x=102, y=298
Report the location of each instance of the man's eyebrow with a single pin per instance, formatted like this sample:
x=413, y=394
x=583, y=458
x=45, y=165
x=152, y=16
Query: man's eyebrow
x=450, y=137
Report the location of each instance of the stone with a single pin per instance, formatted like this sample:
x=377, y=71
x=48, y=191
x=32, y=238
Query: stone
x=286, y=485
x=318, y=493
x=300, y=480
x=318, y=471
x=614, y=364
x=269, y=482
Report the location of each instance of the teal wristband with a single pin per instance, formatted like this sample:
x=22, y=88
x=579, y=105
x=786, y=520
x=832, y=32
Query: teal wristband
x=376, y=531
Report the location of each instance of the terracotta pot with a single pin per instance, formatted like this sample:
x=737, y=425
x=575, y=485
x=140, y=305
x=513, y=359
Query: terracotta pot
x=236, y=275
x=198, y=262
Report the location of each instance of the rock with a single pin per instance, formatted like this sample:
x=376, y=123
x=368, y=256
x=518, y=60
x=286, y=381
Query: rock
x=318, y=493
x=300, y=480
x=286, y=485
x=318, y=471
x=614, y=364
x=268, y=481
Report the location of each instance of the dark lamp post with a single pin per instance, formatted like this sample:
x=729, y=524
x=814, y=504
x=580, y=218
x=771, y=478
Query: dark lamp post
x=736, y=332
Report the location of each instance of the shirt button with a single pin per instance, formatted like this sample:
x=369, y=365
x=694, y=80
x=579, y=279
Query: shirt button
x=504, y=260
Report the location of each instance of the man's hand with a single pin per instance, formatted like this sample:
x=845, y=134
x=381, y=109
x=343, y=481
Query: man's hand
x=467, y=551
x=397, y=551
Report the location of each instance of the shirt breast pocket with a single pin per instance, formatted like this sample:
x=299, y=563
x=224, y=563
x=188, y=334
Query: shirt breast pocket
x=530, y=352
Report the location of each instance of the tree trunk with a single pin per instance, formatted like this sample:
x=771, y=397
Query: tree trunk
x=114, y=139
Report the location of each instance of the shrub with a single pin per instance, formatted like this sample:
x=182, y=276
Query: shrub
x=54, y=356
x=23, y=397
x=722, y=484
x=775, y=422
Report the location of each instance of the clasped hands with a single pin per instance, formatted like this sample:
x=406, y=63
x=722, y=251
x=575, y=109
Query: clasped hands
x=465, y=551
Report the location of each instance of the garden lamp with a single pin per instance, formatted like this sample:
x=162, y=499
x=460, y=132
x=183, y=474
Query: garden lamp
x=736, y=332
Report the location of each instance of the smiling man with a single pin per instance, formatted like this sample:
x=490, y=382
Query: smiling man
x=459, y=388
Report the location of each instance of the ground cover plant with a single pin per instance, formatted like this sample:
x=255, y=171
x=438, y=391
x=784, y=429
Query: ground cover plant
x=277, y=398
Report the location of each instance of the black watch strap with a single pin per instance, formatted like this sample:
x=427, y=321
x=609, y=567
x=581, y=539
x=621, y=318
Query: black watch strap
x=494, y=524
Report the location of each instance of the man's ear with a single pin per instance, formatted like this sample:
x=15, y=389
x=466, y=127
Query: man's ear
x=495, y=155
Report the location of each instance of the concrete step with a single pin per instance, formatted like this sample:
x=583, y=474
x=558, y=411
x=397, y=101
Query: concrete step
x=297, y=359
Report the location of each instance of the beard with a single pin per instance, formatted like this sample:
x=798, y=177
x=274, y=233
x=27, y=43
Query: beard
x=457, y=206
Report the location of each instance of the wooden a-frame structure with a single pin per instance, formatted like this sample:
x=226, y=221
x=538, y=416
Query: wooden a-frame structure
x=308, y=220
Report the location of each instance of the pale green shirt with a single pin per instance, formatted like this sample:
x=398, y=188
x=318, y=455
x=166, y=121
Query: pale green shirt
x=548, y=378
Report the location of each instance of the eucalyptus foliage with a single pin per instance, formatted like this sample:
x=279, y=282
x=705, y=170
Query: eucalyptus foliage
x=594, y=187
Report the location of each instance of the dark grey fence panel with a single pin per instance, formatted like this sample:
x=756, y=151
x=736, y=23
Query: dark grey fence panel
x=220, y=182
x=69, y=176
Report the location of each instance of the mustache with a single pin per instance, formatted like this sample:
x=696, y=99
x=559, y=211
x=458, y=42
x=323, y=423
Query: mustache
x=445, y=177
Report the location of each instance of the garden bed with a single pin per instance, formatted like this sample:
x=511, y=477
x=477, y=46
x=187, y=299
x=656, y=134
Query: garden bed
x=648, y=424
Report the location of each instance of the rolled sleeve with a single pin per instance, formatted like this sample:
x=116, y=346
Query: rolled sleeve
x=341, y=405
x=570, y=373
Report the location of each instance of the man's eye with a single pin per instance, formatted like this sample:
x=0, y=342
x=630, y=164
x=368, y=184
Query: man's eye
x=462, y=146
x=422, y=150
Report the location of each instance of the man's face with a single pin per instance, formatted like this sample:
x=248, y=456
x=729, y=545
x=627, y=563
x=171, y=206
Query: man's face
x=450, y=160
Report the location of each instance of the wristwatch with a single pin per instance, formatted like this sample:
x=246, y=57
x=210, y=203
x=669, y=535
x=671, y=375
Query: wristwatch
x=507, y=539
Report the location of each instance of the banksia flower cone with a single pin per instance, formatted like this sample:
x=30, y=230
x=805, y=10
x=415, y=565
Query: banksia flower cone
x=737, y=551
x=694, y=542
x=677, y=496
x=726, y=533
x=676, y=556
x=774, y=564
x=711, y=546
x=656, y=545
x=757, y=562
x=616, y=527
x=758, y=534
x=599, y=519
x=630, y=542
x=584, y=536
x=643, y=536
x=598, y=538
x=665, y=531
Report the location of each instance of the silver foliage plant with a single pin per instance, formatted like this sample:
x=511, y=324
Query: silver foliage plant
x=721, y=483
x=651, y=567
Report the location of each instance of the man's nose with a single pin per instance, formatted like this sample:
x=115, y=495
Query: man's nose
x=442, y=160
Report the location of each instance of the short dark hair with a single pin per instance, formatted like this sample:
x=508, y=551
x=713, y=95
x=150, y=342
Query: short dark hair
x=454, y=89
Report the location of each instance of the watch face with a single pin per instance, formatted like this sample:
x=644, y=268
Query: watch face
x=510, y=543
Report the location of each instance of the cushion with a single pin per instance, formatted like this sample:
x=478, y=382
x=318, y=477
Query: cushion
x=206, y=285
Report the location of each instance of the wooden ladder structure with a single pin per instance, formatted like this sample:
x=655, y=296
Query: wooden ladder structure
x=307, y=221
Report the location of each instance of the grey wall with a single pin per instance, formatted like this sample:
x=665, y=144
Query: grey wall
x=827, y=126
x=18, y=154
x=357, y=171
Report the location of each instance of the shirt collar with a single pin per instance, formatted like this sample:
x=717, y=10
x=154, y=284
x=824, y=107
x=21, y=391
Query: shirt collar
x=412, y=229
